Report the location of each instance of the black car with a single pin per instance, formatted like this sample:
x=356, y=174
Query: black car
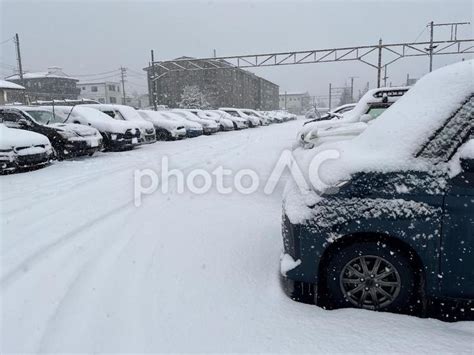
x=398, y=239
x=68, y=140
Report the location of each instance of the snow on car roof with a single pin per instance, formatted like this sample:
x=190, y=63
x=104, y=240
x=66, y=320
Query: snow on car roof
x=392, y=95
x=391, y=142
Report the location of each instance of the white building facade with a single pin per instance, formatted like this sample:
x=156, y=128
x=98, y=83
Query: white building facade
x=107, y=92
x=297, y=103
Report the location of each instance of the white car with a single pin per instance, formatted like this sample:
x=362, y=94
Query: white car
x=127, y=113
x=223, y=123
x=263, y=119
x=329, y=114
x=22, y=149
x=252, y=121
x=237, y=121
x=166, y=129
x=117, y=135
x=208, y=126
x=193, y=129
x=353, y=122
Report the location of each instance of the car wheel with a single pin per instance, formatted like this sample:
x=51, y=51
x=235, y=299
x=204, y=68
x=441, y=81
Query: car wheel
x=163, y=135
x=372, y=276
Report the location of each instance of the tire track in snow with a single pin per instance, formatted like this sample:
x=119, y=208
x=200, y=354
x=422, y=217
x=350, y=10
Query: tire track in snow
x=46, y=250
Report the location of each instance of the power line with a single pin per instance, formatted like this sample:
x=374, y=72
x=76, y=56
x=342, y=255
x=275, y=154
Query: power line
x=97, y=74
x=101, y=78
x=136, y=72
x=423, y=31
x=7, y=40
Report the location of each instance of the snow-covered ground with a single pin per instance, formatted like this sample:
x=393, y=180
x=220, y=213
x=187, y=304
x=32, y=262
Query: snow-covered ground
x=84, y=270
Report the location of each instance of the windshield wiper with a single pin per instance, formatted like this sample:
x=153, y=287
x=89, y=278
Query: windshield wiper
x=69, y=114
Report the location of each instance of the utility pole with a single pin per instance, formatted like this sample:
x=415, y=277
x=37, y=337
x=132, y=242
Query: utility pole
x=352, y=87
x=430, y=49
x=285, y=99
x=123, y=73
x=215, y=53
x=20, y=65
x=330, y=97
x=153, y=82
x=454, y=35
x=379, y=63
x=385, y=77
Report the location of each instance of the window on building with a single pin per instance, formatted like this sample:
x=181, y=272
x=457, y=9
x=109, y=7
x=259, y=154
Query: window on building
x=101, y=100
x=112, y=100
x=111, y=87
x=94, y=88
x=83, y=88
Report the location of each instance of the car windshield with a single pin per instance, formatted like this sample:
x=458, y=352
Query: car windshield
x=376, y=111
x=44, y=117
x=443, y=144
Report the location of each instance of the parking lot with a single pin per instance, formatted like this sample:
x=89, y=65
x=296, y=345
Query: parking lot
x=84, y=269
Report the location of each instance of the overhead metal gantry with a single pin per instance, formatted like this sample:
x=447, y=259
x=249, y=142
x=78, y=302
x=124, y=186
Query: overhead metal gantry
x=371, y=55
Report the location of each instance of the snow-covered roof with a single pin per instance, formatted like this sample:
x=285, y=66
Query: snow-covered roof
x=9, y=85
x=53, y=72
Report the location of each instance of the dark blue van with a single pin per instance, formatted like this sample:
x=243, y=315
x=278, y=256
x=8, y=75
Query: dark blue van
x=405, y=239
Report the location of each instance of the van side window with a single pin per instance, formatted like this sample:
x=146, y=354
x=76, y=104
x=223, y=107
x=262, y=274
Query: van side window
x=456, y=130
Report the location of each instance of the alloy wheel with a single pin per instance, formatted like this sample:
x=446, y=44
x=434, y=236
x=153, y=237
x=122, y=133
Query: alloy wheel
x=370, y=282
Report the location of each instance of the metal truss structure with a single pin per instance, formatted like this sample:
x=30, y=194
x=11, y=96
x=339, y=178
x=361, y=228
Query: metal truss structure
x=371, y=55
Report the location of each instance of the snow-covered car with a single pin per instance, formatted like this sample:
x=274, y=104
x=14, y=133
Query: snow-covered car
x=116, y=134
x=252, y=121
x=353, y=122
x=336, y=113
x=166, y=129
x=316, y=112
x=20, y=149
x=280, y=116
x=273, y=117
x=208, y=126
x=387, y=225
x=68, y=140
x=238, y=122
x=193, y=129
x=223, y=123
x=127, y=113
x=264, y=120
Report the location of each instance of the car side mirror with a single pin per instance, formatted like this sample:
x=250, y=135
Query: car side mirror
x=24, y=122
x=365, y=118
x=467, y=165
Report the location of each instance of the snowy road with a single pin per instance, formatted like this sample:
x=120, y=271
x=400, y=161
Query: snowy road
x=84, y=270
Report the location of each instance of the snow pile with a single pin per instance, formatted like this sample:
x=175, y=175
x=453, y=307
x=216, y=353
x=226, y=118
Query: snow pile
x=287, y=263
x=390, y=142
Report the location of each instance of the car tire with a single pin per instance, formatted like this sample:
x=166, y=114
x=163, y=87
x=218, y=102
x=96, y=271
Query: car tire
x=163, y=135
x=386, y=282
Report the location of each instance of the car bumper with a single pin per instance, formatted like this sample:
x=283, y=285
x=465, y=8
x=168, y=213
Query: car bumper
x=148, y=138
x=298, y=291
x=123, y=143
x=190, y=133
x=86, y=145
x=178, y=134
x=25, y=161
x=210, y=130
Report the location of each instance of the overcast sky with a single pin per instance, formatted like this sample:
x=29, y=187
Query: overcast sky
x=88, y=37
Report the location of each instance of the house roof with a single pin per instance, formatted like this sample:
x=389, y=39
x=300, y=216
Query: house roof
x=53, y=72
x=9, y=85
